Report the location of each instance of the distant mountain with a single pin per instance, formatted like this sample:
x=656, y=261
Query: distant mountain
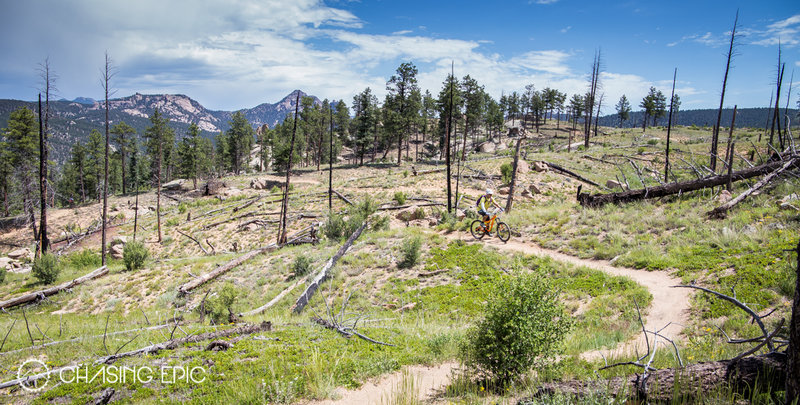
x=745, y=117
x=72, y=121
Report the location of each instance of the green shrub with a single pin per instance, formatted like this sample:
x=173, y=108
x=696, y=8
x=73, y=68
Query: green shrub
x=220, y=305
x=275, y=190
x=84, y=259
x=400, y=197
x=2, y=275
x=181, y=208
x=45, y=268
x=134, y=255
x=523, y=327
x=410, y=251
x=334, y=227
x=505, y=173
x=652, y=142
x=173, y=222
x=337, y=228
x=301, y=266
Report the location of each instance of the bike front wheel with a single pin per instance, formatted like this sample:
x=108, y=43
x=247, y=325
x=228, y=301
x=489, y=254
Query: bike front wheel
x=503, y=231
x=476, y=229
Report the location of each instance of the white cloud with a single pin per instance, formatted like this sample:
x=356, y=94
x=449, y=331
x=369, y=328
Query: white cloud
x=542, y=1
x=565, y=29
x=786, y=32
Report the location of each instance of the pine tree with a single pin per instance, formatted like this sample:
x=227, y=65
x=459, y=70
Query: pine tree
x=188, y=154
x=400, y=87
x=160, y=137
x=623, y=109
x=122, y=137
x=240, y=142
x=22, y=146
x=365, y=120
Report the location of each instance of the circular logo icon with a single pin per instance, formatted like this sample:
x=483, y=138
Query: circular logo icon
x=29, y=369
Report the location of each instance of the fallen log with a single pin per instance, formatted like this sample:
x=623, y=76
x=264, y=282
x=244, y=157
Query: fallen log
x=224, y=268
x=721, y=211
x=694, y=381
x=594, y=200
x=195, y=241
x=152, y=349
x=324, y=273
x=343, y=198
x=569, y=173
x=273, y=301
x=33, y=296
x=400, y=207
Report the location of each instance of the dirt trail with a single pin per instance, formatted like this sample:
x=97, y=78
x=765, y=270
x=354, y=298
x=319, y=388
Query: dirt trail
x=426, y=381
x=669, y=305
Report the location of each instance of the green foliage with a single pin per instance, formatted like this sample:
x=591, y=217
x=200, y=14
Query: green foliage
x=410, y=251
x=400, y=197
x=84, y=259
x=45, y=268
x=2, y=275
x=523, y=327
x=173, y=221
x=220, y=305
x=505, y=173
x=134, y=255
x=301, y=265
x=334, y=226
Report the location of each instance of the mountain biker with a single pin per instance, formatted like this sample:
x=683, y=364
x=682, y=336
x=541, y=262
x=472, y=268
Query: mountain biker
x=481, y=203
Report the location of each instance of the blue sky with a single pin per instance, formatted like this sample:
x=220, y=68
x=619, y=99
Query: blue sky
x=237, y=54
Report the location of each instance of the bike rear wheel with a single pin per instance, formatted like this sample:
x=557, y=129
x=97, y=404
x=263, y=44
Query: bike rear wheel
x=476, y=229
x=503, y=231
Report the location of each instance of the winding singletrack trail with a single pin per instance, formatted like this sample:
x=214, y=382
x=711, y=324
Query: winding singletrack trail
x=669, y=306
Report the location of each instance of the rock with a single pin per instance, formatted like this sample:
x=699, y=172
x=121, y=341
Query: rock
x=487, y=147
x=117, y=251
x=407, y=307
x=151, y=208
x=533, y=189
x=523, y=167
x=230, y=192
x=119, y=240
x=526, y=193
x=502, y=146
x=785, y=201
x=6, y=263
x=174, y=185
x=612, y=184
x=251, y=227
x=258, y=184
x=433, y=222
x=502, y=191
x=21, y=254
x=724, y=197
x=213, y=187
x=540, y=166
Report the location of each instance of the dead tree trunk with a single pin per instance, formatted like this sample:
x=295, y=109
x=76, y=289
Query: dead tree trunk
x=793, y=360
x=594, y=200
x=669, y=125
x=730, y=147
x=44, y=242
x=715, y=136
x=447, y=142
x=106, y=79
x=285, y=202
x=33, y=296
x=511, y=188
x=324, y=273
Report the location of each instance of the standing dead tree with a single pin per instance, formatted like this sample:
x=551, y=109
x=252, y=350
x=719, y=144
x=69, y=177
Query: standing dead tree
x=511, y=189
x=715, y=135
x=285, y=202
x=324, y=273
x=669, y=125
x=107, y=75
x=48, y=80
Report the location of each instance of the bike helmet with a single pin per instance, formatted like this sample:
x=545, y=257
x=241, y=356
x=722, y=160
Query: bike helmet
x=489, y=191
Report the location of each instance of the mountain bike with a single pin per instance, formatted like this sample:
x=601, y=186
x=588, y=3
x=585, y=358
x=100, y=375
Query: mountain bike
x=479, y=228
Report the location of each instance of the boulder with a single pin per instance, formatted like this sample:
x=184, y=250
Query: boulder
x=502, y=146
x=117, y=251
x=174, y=185
x=6, y=263
x=526, y=193
x=540, y=166
x=252, y=227
x=503, y=190
x=533, y=189
x=724, y=196
x=258, y=184
x=230, y=192
x=487, y=147
x=21, y=254
x=788, y=202
x=119, y=240
x=612, y=184
x=523, y=167
x=213, y=187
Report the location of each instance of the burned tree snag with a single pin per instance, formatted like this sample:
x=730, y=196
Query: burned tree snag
x=510, y=200
x=285, y=203
x=715, y=136
x=669, y=125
